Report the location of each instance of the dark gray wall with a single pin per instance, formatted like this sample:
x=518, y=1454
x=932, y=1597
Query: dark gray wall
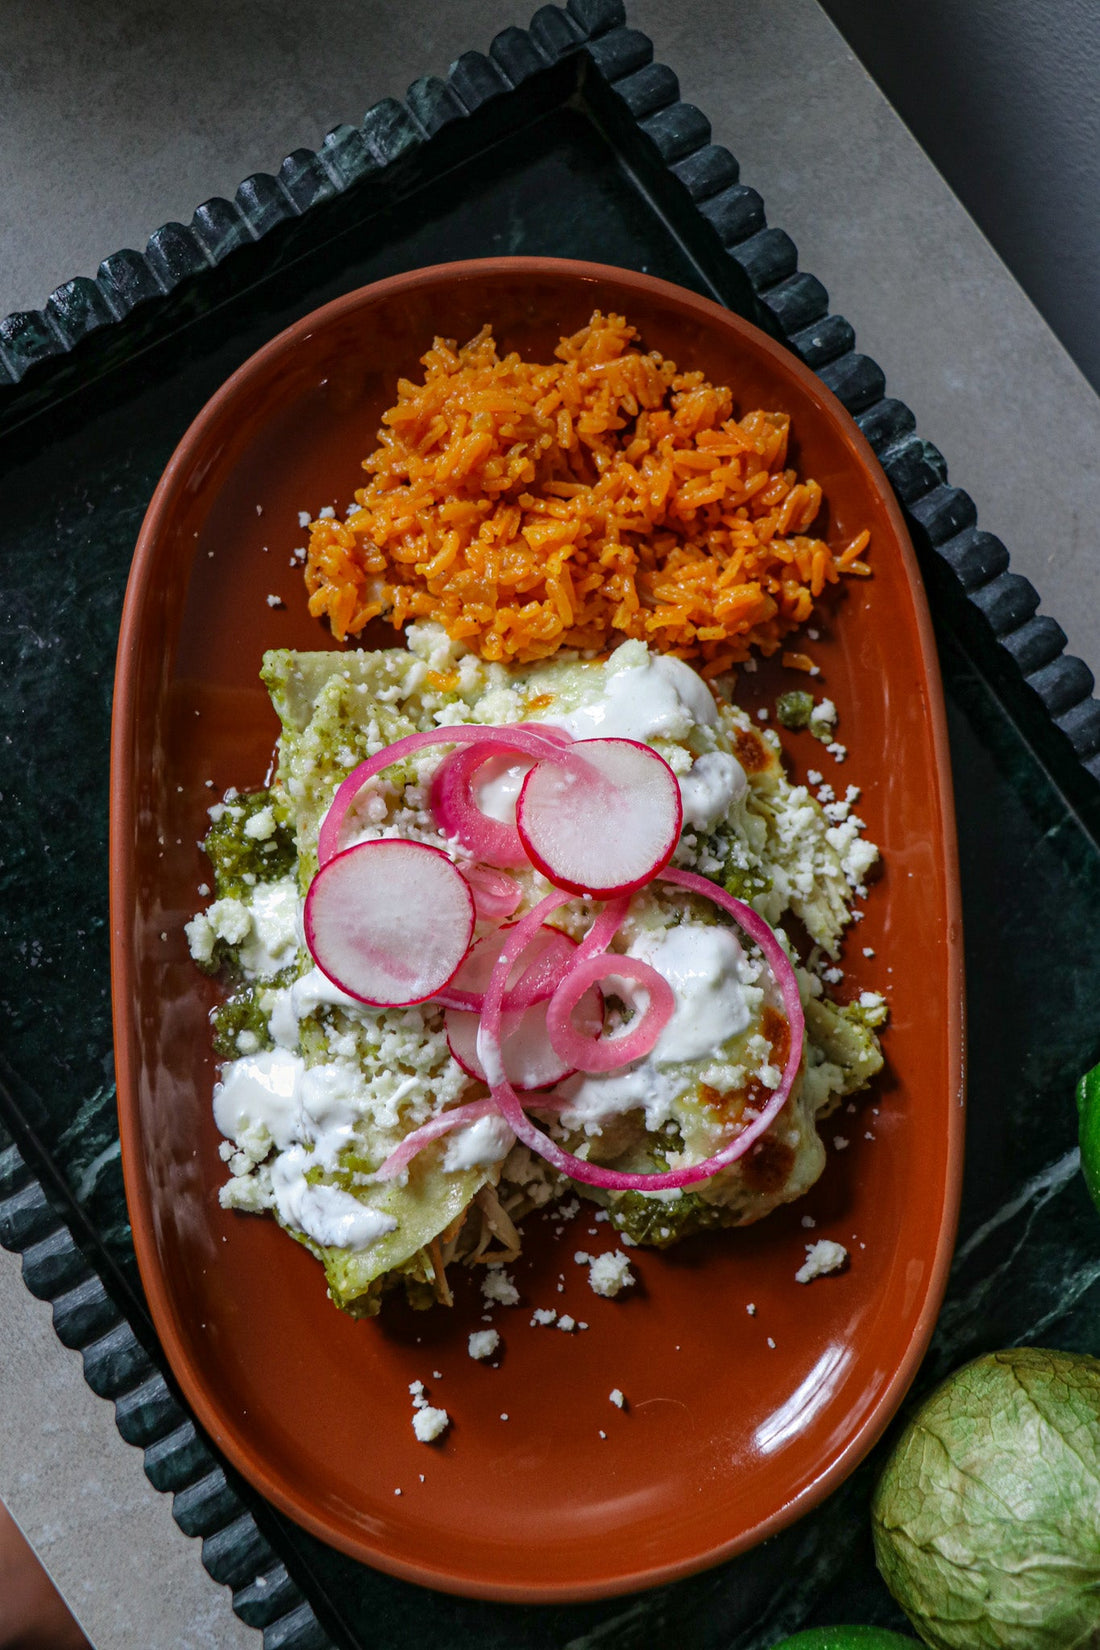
x=1004, y=95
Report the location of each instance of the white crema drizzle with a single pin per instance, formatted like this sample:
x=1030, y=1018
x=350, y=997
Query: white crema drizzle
x=309, y=1112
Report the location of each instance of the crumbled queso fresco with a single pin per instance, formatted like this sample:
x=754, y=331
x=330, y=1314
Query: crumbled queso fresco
x=822, y=1257
x=498, y=1288
x=609, y=1274
x=428, y=1422
x=316, y=1089
x=483, y=1343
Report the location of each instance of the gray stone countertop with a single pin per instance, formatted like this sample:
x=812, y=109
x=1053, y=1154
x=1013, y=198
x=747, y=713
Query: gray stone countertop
x=114, y=119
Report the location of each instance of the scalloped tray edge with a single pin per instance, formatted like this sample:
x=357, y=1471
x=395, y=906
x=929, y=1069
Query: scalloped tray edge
x=794, y=305
x=942, y=518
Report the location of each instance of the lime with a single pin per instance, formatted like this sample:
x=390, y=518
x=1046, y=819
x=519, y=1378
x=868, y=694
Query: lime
x=1088, y=1113
x=847, y=1638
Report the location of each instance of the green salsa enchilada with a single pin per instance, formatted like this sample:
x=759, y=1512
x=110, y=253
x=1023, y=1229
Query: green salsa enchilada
x=320, y=1092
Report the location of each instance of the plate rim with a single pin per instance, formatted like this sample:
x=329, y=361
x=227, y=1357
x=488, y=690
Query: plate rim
x=141, y=589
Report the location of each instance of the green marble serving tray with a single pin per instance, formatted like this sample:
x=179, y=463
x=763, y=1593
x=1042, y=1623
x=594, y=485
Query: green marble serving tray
x=565, y=139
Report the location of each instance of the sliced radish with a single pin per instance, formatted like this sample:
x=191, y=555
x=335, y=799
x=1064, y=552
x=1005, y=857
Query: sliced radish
x=519, y=738
x=581, y=1047
x=602, y=825
x=496, y=894
x=591, y=1174
x=415, y=1142
x=389, y=921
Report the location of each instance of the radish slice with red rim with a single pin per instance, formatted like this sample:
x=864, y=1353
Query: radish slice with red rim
x=582, y=1049
x=519, y=738
x=603, y=825
x=592, y=1174
x=389, y=921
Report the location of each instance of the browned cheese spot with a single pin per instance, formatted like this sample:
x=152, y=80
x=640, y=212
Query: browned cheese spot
x=768, y=1163
x=751, y=751
x=766, y=1166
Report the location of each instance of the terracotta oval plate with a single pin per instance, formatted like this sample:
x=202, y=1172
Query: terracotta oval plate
x=748, y=1396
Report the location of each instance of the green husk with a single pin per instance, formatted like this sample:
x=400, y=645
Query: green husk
x=987, y=1515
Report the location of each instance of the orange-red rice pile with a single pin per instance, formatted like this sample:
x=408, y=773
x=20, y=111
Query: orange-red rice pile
x=531, y=507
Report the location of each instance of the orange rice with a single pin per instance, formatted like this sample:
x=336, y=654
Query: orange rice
x=530, y=507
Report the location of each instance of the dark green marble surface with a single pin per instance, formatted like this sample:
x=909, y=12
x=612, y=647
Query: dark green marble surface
x=74, y=482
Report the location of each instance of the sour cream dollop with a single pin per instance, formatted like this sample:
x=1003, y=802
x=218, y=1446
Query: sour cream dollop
x=309, y=1113
x=325, y=1213
x=661, y=698
x=709, y=789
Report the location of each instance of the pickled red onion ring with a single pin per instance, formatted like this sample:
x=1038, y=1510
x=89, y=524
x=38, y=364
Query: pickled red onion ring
x=537, y=746
x=457, y=814
x=455, y=806
x=415, y=1142
x=603, y=1053
x=535, y=983
x=530, y=1058
x=603, y=929
x=496, y=894
x=592, y=1174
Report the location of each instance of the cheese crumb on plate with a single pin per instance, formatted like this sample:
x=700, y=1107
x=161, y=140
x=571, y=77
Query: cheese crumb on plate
x=430, y=1423
x=483, y=1343
x=609, y=1273
x=822, y=1257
